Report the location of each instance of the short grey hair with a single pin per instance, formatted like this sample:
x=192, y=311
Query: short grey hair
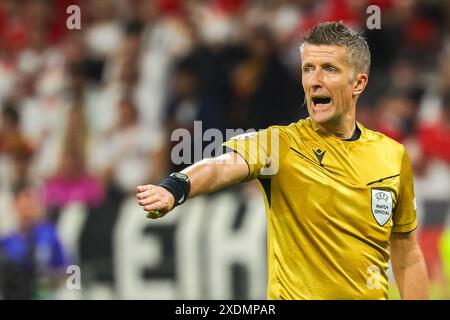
x=337, y=33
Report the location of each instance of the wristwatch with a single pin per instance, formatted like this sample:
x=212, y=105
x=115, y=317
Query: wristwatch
x=179, y=185
x=185, y=183
x=180, y=177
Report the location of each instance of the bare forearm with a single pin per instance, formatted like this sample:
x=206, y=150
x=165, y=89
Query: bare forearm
x=411, y=276
x=210, y=175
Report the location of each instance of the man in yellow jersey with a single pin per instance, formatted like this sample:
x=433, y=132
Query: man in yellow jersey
x=339, y=197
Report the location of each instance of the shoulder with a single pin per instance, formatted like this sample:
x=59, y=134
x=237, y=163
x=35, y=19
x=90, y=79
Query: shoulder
x=297, y=132
x=382, y=141
x=272, y=133
x=294, y=130
x=289, y=135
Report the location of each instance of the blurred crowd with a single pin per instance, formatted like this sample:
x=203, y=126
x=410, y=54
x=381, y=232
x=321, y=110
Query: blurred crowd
x=86, y=115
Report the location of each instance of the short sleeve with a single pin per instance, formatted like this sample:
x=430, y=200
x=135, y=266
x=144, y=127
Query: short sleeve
x=264, y=151
x=404, y=217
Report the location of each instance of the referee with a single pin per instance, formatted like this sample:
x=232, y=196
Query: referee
x=339, y=197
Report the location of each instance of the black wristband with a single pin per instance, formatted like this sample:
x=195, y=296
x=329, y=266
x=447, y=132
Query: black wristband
x=179, y=185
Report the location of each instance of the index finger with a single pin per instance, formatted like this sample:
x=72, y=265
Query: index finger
x=143, y=188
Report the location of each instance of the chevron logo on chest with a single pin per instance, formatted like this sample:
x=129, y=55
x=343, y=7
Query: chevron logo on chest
x=319, y=153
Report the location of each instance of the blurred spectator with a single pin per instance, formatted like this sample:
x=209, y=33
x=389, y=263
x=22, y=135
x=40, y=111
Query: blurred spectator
x=13, y=27
x=405, y=78
x=211, y=68
x=396, y=116
x=32, y=266
x=106, y=98
x=104, y=33
x=128, y=150
x=183, y=106
x=164, y=39
x=264, y=92
x=435, y=138
x=200, y=89
x=13, y=144
x=72, y=182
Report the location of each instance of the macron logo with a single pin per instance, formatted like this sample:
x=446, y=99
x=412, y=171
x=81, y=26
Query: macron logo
x=319, y=155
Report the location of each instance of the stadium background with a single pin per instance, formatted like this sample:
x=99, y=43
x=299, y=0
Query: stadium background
x=86, y=115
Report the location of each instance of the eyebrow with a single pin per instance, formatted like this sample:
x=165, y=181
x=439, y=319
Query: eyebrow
x=323, y=64
x=330, y=64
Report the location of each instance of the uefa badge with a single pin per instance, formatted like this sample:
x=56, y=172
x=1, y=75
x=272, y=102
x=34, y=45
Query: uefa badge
x=381, y=206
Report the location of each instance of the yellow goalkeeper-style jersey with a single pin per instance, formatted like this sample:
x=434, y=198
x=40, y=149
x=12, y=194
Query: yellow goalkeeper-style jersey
x=331, y=207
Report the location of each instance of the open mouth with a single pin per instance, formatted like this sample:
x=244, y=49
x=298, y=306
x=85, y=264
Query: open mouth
x=317, y=101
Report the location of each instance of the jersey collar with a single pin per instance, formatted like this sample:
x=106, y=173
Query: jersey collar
x=359, y=126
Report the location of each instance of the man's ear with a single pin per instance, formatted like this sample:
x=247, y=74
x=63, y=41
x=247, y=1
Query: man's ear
x=360, y=83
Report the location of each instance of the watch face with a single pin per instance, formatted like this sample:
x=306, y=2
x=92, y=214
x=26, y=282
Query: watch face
x=180, y=176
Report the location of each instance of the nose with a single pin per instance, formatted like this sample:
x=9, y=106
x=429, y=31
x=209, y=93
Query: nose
x=316, y=79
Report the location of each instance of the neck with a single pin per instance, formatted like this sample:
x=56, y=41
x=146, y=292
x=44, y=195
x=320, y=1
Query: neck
x=341, y=130
x=343, y=125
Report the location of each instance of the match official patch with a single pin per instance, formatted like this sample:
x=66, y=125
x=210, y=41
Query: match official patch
x=381, y=206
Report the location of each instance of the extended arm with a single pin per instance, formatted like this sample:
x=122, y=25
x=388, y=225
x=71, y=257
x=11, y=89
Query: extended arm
x=409, y=267
x=206, y=176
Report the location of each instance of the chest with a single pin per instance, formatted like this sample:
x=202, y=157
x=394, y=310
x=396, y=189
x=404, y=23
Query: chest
x=354, y=188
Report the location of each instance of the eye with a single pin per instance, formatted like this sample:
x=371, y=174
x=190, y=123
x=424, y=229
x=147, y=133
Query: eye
x=307, y=69
x=330, y=69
